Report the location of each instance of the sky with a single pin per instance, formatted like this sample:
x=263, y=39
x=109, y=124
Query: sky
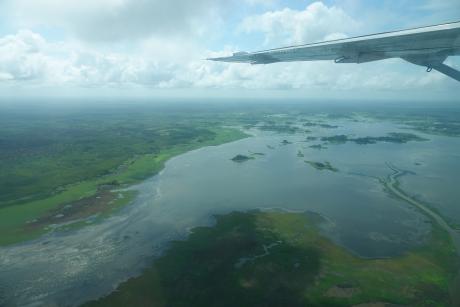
x=158, y=48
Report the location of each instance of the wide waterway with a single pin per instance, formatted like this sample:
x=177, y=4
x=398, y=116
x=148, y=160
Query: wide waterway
x=69, y=268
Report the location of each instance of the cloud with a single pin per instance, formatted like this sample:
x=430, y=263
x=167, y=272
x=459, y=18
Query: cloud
x=317, y=22
x=28, y=59
x=20, y=56
x=113, y=20
x=31, y=60
x=432, y=5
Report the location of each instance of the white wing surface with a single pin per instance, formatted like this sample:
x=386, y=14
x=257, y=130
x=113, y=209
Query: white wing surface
x=425, y=46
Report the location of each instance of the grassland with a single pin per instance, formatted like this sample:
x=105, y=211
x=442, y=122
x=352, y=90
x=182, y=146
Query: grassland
x=281, y=259
x=52, y=162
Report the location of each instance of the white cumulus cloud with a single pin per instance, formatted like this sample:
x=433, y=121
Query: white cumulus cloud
x=315, y=23
x=28, y=58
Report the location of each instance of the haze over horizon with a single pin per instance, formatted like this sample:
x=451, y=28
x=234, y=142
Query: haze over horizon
x=126, y=48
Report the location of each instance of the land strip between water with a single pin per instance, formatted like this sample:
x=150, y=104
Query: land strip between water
x=394, y=187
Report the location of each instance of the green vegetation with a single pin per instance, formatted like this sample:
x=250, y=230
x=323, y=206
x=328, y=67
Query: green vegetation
x=279, y=128
x=280, y=259
x=312, y=124
x=336, y=139
x=60, y=167
x=261, y=154
x=318, y=146
x=443, y=121
x=394, y=137
x=241, y=158
x=436, y=126
x=322, y=166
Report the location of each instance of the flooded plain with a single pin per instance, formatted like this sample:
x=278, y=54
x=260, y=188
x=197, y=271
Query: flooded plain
x=69, y=268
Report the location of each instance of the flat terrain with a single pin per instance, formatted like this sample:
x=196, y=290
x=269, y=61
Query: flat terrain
x=61, y=165
x=382, y=238
x=281, y=259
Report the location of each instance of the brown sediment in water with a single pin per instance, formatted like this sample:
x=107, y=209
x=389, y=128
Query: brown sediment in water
x=85, y=207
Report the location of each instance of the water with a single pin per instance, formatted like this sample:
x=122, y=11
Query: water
x=73, y=267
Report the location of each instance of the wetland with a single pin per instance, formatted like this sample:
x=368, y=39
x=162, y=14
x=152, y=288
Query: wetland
x=163, y=211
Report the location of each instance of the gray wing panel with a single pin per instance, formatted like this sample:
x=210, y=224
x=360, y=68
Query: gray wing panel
x=371, y=49
x=426, y=46
x=440, y=39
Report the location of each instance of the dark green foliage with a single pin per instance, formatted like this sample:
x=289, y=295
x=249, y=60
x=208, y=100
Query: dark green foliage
x=322, y=166
x=285, y=142
x=279, y=128
x=41, y=154
x=394, y=137
x=336, y=139
x=241, y=158
x=287, y=262
x=311, y=124
x=201, y=271
x=318, y=146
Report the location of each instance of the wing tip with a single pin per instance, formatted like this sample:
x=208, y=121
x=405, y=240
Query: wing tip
x=235, y=57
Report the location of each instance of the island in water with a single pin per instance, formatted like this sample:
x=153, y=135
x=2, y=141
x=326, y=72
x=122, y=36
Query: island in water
x=285, y=142
x=261, y=154
x=312, y=124
x=279, y=128
x=241, y=158
x=318, y=146
x=393, y=137
x=322, y=166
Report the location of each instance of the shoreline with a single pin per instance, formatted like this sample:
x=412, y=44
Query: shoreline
x=276, y=240
x=393, y=185
x=15, y=220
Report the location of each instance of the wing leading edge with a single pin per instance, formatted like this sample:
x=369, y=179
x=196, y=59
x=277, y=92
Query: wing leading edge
x=426, y=46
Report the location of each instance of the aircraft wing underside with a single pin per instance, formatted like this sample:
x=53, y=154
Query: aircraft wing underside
x=426, y=46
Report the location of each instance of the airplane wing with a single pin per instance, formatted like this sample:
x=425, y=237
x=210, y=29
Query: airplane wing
x=426, y=46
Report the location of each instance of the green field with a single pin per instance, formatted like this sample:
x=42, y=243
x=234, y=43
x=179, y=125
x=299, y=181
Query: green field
x=281, y=259
x=54, y=160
